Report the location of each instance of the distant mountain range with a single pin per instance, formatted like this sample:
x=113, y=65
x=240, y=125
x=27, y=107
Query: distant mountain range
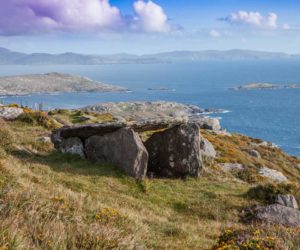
x=8, y=57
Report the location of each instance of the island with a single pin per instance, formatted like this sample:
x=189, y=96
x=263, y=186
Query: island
x=51, y=83
x=262, y=86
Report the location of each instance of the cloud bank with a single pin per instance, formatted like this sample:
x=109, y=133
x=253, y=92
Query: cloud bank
x=253, y=19
x=19, y=17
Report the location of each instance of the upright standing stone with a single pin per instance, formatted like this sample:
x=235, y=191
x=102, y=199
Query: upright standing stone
x=175, y=152
x=122, y=148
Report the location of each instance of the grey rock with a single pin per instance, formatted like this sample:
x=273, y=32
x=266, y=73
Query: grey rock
x=278, y=214
x=86, y=131
x=272, y=174
x=207, y=149
x=56, y=138
x=122, y=148
x=209, y=123
x=255, y=154
x=175, y=152
x=231, y=166
x=72, y=146
x=286, y=200
x=10, y=113
x=148, y=114
x=45, y=139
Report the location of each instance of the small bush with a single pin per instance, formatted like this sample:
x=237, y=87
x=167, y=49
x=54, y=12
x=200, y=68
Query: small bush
x=266, y=193
x=13, y=105
x=38, y=118
x=250, y=239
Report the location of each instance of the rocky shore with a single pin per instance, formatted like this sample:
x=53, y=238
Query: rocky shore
x=51, y=83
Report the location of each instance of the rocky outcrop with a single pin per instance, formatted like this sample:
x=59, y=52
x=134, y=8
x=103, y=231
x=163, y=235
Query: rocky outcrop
x=149, y=115
x=175, y=152
x=122, y=148
x=272, y=174
x=278, y=214
x=286, y=200
x=10, y=113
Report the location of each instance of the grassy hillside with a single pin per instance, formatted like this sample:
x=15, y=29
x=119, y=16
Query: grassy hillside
x=54, y=201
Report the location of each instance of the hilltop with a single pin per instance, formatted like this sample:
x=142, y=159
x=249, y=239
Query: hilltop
x=8, y=57
x=51, y=83
x=50, y=200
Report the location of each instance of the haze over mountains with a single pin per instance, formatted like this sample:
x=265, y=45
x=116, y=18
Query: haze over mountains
x=8, y=57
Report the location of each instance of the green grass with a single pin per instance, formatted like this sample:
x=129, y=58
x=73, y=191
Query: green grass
x=53, y=201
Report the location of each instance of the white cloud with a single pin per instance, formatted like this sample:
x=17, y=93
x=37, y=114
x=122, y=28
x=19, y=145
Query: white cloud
x=253, y=19
x=150, y=17
x=19, y=17
x=214, y=34
x=286, y=26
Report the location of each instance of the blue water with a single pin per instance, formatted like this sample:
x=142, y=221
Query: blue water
x=273, y=115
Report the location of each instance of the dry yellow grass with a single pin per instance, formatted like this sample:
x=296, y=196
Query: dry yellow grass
x=54, y=201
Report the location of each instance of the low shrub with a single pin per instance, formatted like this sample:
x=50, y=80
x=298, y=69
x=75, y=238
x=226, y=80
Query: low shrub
x=259, y=237
x=250, y=239
x=266, y=193
x=38, y=118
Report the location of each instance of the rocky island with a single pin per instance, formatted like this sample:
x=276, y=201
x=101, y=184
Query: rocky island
x=51, y=83
x=262, y=86
x=142, y=175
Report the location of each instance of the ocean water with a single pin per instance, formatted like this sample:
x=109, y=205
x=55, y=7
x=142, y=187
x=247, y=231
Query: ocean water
x=273, y=115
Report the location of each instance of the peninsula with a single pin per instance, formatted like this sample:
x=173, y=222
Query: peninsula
x=51, y=83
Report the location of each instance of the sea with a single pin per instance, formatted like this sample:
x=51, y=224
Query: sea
x=272, y=115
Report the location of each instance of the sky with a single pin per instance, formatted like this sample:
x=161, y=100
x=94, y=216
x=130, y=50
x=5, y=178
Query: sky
x=145, y=27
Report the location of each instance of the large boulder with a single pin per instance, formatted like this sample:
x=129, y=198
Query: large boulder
x=272, y=174
x=122, y=148
x=278, y=214
x=286, y=200
x=207, y=149
x=10, y=113
x=175, y=152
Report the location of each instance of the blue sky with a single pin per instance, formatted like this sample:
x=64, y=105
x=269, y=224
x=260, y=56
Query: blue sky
x=137, y=26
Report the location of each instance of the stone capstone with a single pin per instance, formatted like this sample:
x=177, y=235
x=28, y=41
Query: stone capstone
x=122, y=148
x=175, y=152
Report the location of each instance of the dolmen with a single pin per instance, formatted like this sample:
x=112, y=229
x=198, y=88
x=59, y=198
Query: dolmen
x=173, y=151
